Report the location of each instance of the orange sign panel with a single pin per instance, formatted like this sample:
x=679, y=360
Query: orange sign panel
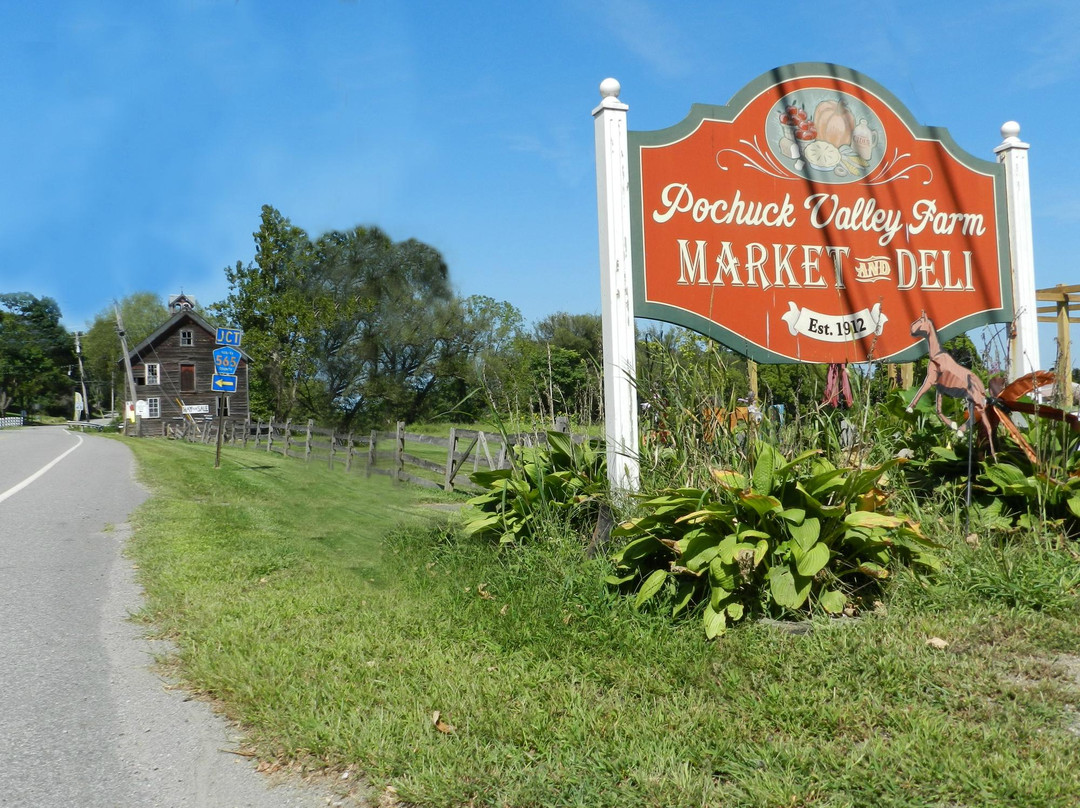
x=813, y=220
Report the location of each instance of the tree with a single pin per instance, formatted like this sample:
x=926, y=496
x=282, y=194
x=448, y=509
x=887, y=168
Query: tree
x=36, y=354
x=389, y=311
x=143, y=313
x=270, y=301
x=357, y=330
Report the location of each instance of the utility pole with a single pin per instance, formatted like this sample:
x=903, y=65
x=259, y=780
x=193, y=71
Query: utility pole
x=82, y=378
x=130, y=375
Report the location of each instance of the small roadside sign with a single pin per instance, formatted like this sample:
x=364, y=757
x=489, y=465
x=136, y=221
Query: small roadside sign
x=228, y=336
x=224, y=384
x=225, y=361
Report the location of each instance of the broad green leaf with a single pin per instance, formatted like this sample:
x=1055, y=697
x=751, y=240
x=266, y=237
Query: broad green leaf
x=819, y=508
x=820, y=484
x=682, y=597
x=749, y=533
x=788, y=589
x=561, y=442
x=806, y=534
x=802, y=590
x=782, y=586
x=1010, y=479
x=760, y=551
x=617, y=580
x=486, y=478
x=796, y=515
x=735, y=611
x=760, y=503
x=715, y=622
x=697, y=517
x=727, y=548
x=702, y=559
x=1074, y=504
x=832, y=601
x=718, y=595
x=814, y=561
x=722, y=575
x=945, y=453
x=873, y=570
x=872, y=519
x=650, y=587
x=796, y=461
x=476, y=526
x=728, y=479
x=765, y=464
x=641, y=548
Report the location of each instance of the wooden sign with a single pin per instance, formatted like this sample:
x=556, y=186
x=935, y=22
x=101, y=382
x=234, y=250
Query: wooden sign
x=813, y=219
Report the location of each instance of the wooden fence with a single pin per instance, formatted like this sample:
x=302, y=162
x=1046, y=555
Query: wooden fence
x=406, y=456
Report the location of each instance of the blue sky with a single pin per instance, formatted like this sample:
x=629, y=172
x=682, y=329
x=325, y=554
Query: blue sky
x=139, y=140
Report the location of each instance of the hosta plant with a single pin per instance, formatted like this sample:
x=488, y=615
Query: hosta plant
x=565, y=481
x=1034, y=497
x=790, y=536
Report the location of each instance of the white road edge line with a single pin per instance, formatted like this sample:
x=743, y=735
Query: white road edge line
x=20, y=486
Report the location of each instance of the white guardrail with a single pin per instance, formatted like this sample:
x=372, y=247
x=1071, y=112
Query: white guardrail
x=11, y=420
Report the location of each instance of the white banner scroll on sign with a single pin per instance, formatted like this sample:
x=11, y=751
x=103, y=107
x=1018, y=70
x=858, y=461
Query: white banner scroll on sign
x=833, y=327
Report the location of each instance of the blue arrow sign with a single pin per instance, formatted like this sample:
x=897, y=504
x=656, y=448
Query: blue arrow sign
x=224, y=384
x=226, y=360
x=228, y=336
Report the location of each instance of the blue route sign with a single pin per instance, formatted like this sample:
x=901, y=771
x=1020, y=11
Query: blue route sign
x=224, y=384
x=228, y=336
x=225, y=361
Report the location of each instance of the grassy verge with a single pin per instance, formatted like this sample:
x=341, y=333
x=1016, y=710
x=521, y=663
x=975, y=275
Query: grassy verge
x=332, y=616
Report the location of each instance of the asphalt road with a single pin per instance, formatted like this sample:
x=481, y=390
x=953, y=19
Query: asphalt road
x=84, y=722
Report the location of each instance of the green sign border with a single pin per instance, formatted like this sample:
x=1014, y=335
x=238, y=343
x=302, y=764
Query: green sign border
x=703, y=112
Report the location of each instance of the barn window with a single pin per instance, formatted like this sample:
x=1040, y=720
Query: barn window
x=187, y=378
x=153, y=373
x=187, y=338
x=153, y=407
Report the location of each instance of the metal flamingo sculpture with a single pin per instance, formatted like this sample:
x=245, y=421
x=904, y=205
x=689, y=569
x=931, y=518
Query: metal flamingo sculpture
x=951, y=379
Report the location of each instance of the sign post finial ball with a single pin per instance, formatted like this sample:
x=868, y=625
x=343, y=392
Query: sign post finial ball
x=1010, y=130
x=610, y=88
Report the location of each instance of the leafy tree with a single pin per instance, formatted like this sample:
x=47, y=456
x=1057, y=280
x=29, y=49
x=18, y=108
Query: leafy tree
x=270, y=300
x=36, y=354
x=581, y=333
x=358, y=330
x=142, y=314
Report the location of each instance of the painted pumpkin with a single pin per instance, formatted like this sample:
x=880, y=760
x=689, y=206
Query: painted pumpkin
x=835, y=122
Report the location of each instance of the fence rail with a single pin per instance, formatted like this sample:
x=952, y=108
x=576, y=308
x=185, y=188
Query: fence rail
x=11, y=420
x=424, y=460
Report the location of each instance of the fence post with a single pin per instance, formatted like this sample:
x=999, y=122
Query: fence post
x=333, y=440
x=307, y=441
x=348, y=452
x=270, y=433
x=371, y=456
x=448, y=481
x=247, y=430
x=287, y=436
x=399, y=450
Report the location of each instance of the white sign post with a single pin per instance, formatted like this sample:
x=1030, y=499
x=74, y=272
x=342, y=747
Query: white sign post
x=617, y=290
x=1024, y=344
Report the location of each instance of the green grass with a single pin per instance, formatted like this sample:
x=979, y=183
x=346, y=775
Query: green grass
x=331, y=615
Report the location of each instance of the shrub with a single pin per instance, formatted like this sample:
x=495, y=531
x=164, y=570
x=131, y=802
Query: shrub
x=565, y=482
x=792, y=535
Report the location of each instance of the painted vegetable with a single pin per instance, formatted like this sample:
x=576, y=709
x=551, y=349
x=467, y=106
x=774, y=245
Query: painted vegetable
x=835, y=122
